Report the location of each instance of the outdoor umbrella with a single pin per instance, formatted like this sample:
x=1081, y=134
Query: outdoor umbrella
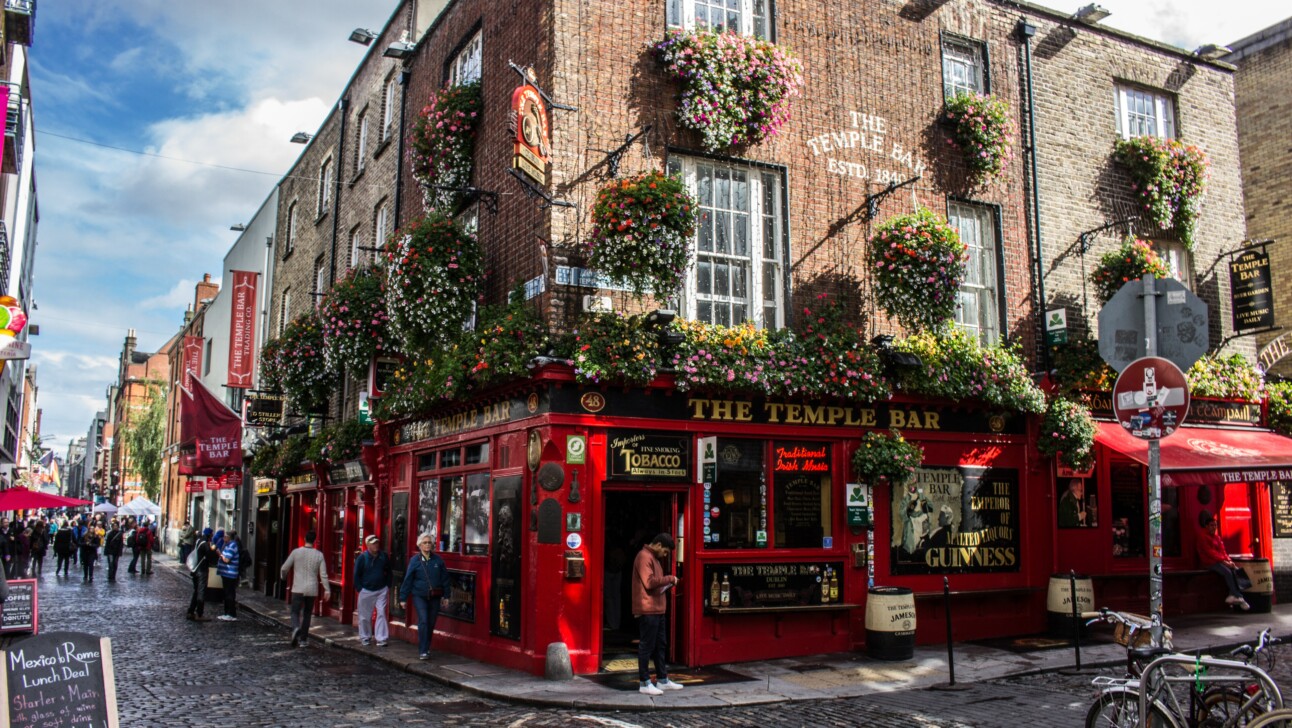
x=141, y=507
x=104, y=507
x=20, y=498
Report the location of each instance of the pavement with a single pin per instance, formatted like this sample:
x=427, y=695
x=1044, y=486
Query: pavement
x=767, y=682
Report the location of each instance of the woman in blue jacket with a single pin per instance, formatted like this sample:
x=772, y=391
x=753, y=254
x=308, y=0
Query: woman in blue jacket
x=427, y=580
x=227, y=568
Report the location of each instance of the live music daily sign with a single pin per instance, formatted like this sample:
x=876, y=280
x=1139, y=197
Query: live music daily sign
x=59, y=679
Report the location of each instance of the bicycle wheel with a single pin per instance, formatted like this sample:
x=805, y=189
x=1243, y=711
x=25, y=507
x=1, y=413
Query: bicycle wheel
x=1229, y=707
x=1120, y=709
x=1281, y=718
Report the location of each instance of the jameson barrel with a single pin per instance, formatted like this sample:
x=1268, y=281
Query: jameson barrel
x=1260, y=594
x=1058, y=603
x=890, y=623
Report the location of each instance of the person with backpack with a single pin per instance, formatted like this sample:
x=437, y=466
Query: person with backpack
x=63, y=549
x=201, y=558
x=90, y=542
x=132, y=543
x=144, y=546
x=227, y=568
x=113, y=547
x=39, y=544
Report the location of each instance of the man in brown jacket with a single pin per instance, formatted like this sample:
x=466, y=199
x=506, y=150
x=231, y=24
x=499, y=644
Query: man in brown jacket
x=649, y=586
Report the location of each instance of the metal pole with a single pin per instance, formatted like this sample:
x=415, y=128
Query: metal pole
x=1076, y=614
x=946, y=603
x=1154, y=479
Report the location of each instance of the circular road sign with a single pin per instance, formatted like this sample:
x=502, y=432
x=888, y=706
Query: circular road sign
x=1151, y=398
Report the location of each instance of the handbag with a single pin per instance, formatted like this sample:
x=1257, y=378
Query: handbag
x=435, y=592
x=213, y=579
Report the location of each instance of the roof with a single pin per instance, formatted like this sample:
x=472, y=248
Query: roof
x=1260, y=40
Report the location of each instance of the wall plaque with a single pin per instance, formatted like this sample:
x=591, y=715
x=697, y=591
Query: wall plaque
x=649, y=456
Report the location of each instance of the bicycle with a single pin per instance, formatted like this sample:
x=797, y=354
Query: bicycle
x=1118, y=704
x=1253, y=692
x=1229, y=704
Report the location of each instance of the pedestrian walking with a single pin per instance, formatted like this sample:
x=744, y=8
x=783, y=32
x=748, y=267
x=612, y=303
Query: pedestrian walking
x=21, y=550
x=78, y=531
x=308, y=570
x=64, y=547
x=90, y=542
x=649, y=584
x=227, y=568
x=114, y=545
x=39, y=545
x=372, y=581
x=132, y=543
x=187, y=540
x=201, y=567
x=426, y=581
x=6, y=547
x=144, y=538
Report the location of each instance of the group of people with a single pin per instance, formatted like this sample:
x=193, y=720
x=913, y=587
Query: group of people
x=23, y=545
x=76, y=541
x=224, y=552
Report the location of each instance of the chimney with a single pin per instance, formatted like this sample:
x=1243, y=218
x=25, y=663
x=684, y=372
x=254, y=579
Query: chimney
x=129, y=349
x=205, y=291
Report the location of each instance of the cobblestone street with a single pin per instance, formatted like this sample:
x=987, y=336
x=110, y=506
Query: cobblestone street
x=177, y=673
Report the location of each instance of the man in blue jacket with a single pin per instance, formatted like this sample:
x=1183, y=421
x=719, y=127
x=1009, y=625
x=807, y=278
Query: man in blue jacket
x=372, y=581
x=426, y=581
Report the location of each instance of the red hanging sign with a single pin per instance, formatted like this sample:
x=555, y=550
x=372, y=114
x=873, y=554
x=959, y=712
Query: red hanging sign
x=213, y=428
x=242, y=330
x=529, y=113
x=192, y=360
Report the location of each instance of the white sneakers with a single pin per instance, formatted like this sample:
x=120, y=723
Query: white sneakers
x=226, y=618
x=1239, y=602
x=657, y=688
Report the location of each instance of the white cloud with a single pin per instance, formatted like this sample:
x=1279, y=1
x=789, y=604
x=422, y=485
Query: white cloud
x=178, y=296
x=1185, y=24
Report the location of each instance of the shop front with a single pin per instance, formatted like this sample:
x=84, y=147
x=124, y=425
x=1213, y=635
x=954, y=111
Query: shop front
x=539, y=502
x=267, y=531
x=348, y=509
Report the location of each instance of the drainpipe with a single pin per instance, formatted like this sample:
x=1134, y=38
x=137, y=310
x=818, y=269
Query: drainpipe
x=404, y=75
x=1026, y=30
x=338, y=168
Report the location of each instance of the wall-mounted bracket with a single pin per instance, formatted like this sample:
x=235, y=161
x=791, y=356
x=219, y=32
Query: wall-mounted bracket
x=873, y=200
x=615, y=156
x=527, y=75
x=535, y=193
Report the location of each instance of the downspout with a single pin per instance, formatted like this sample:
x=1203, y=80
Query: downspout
x=336, y=197
x=1026, y=30
x=404, y=75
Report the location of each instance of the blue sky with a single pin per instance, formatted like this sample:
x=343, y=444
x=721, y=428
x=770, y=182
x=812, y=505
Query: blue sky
x=124, y=237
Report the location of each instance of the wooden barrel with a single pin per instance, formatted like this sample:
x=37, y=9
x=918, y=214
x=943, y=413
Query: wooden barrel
x=1058, y=603
x=1260, y=594
x=890, y=623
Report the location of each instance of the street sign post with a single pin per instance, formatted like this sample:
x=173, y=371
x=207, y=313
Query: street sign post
x=1181, y=330
x=1151, y=398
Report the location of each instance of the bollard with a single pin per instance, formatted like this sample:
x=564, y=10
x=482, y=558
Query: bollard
x=946, y=604
x=1076, y=615
x=558, y=665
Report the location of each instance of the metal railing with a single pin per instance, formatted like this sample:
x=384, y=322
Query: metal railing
x=20, y=20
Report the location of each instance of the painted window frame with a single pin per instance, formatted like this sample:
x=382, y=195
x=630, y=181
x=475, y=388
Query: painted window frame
x=388, y=109
x=1163, y=106
x=284, y=310
x=467, y=63
x=756, y=18
x=960, y=51
x=767, y=273
x=380, y=223
x=358, y=256
x=361, y=145
x=1177, y=259
x=291, y=228
x=326, y=173
x=319, y=271
x=988, y=249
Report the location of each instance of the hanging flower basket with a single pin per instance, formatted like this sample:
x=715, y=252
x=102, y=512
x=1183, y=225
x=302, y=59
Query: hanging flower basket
x=1280, y=408
x=918, y=263
x=736, y=90
x=641, y=232
x=1169, y=178
x=339, y=442
x=886, y=455
x=1125, y=264
x=355, y=324
x=1068, y=432
x=957, y=367
x=434, y=273
x=1225, y=377
x=980, y=128
x=508, y=339
x=616, y=348
x=442, y=145
x=296, y=363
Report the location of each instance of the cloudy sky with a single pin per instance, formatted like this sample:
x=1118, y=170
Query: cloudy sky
x=125, y=235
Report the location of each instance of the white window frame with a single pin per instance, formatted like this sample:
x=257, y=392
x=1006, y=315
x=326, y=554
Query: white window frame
x=967, y=54
x=361, y=149
x=764, y=302
x=380, y=223
x=357, y=254
x=467, y=63
x=388, y=109
x=284, y=310
x=325, y=185
x=319, y=271
x=1144, y=112
x=984, y=249
x=1176, y=257
x=291, y=227
x=755, y=17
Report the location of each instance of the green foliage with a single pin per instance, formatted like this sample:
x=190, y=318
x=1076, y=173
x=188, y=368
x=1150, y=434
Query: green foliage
x=434, y=270
x=886, y=455
x=291, y=454
x=1280, y=407
x=615, y=347
x=355, y=324
x=296, y=363
x=1226, y=377
x=642, y=228
x=1068, y=431
x=1078, y=366
x=1168, y=177
x=1128, y=263
x=507, y=339
x=145, y=438
x=339, y=442
x=958, y=368
x=917, y=263
x=264, y=462
x=442, y=145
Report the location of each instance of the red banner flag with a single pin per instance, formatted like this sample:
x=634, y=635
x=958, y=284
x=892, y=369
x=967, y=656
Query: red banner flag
x=193, y=346
x=214, y=430
x=242, y=330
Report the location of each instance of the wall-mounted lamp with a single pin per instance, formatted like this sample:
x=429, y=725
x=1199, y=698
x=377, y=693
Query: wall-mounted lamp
x=1092, y=13
x=660, y=319
x=301, y=137
x=362, y=36
x=400, y=50
x=237, y=228
x=1212, y=51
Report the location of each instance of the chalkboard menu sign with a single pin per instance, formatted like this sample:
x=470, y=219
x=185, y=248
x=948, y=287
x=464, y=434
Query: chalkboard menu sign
x=59, y=679
x=1281, y=494
x=763, y=584
x=20, y=612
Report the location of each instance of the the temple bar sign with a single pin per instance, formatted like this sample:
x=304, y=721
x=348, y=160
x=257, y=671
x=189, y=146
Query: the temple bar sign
x=1250, y=291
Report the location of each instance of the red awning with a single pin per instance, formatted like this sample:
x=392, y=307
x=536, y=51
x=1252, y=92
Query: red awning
x=1201, y=456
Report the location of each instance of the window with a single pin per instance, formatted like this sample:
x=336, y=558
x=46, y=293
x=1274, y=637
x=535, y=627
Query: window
x=465, y=66
x=319, y=281
x=455, y=507
x=380, y=223
x=747, y=17
x=963, y=67
x=291, y=229
x=979, y=309
x=357, y=254
x=206, y=359
x=388, y=109
x=1177, y=260
x=1128, y=491
x=285, y=310
x=325, y=186
x=739, y=495
x=739, y=271
x=1141, y=112
x=361, y=147
x=801, y=494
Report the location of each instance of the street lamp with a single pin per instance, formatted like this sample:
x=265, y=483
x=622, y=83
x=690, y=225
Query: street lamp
x=237, y=227
x=362, y=36
x=301, y=137
x=400, y=50
x=1092, y=13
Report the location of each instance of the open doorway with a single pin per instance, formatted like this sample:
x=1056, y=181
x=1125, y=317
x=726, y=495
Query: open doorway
x=632, y=519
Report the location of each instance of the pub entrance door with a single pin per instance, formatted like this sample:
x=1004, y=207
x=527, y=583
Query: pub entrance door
x=632, y=518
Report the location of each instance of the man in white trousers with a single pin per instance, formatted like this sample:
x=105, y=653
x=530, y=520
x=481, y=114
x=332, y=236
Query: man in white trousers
x=372, y=580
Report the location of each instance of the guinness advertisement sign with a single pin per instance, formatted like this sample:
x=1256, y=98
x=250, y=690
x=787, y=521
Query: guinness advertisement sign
x=649, y=456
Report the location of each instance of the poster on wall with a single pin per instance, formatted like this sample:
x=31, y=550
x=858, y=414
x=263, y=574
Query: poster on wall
x=957, y=520
x=459, y=602
x=505, y=596
x=1281, y=494
x=477, y=506
x=428, y=506
x=1077, y=507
